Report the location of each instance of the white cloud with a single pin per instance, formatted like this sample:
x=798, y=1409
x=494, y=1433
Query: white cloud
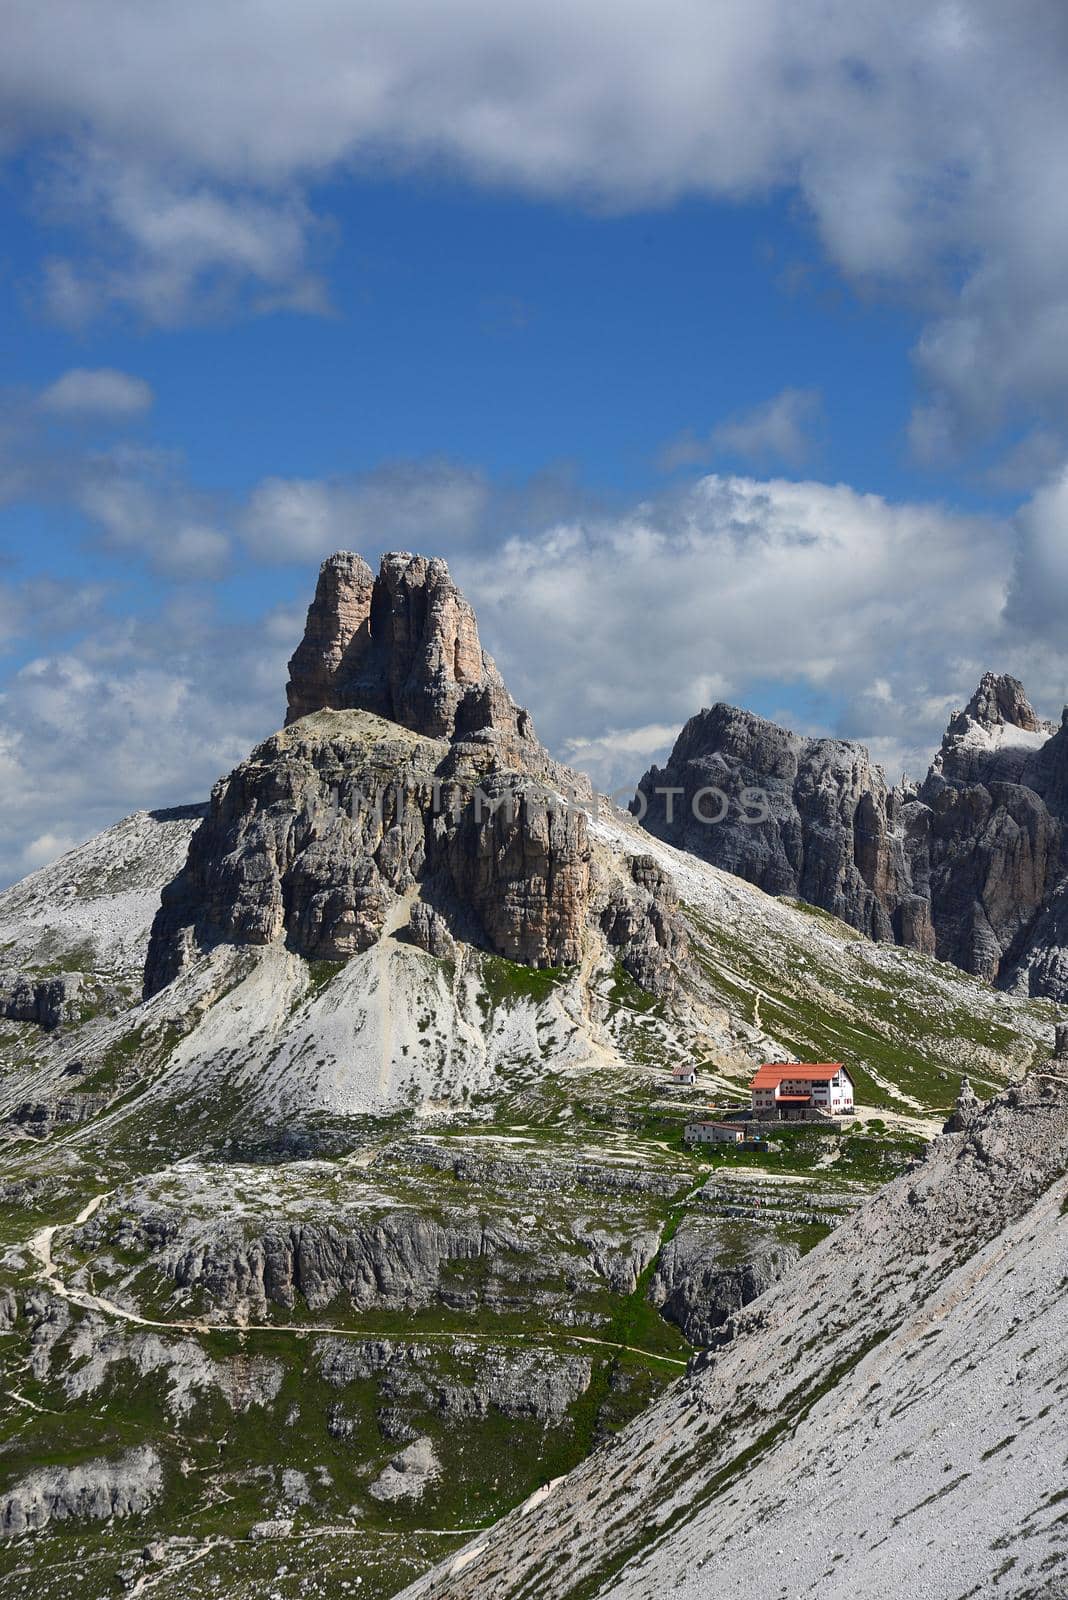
x=172, y=248
x=139, y=713
x=46, y=606
x=926, y=139
x=298, y=519
x=783, y=430
x=141, y=503
x=604, y=756
x=45, y=848
x=1039, y=598
x=613, y=627
x=97, y=391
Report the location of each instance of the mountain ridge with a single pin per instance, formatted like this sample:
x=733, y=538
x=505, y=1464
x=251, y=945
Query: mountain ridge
x=971, y=865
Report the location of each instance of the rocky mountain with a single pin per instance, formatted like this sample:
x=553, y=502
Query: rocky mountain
x=969, y=866
x=406, y=772
x=343, y=1194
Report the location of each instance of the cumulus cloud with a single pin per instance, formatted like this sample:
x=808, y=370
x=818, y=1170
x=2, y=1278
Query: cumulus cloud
x=610, y=628
x=297, y=519
x=782, y=430
x=138, y=714
x=617, y=750
x=173, y=249
x=45, y=848
x=1039, y=595
x=926, y=140
x=141, y=503
x=135, y=497
x=97, y=391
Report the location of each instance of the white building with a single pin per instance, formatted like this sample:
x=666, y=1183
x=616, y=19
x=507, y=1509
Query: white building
x=684, y=1073
x=790, y=1090
x=705, y=1131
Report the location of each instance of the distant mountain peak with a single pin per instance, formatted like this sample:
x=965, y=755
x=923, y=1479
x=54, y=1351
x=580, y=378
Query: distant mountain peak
x=995, y=736
x=1000, y=699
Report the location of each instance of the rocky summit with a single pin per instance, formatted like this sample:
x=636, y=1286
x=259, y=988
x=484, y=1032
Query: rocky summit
x=970, y=866
x=352, y=1236
x=407, y=787
x=405, y=646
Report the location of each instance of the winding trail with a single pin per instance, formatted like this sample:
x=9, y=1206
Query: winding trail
x=41, y=1245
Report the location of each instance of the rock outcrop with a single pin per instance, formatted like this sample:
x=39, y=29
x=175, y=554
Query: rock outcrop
x=640, y=920
x=811, y=818
x=48, y=1002
x=969, y=866
x=510, y=1380
x=393, y=1259
x=409, y=1474
x=316, y=836
x=995, y=737
x=704, y=1276
x=966, y=1110
x=404, y=645
x=406, y=772
x=94, y=1490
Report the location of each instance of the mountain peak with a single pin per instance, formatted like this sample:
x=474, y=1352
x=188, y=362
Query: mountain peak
x=995, y=737
x=1000, y=700
x=403, y=645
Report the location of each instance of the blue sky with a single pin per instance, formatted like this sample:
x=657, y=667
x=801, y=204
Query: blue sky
x=721, y=357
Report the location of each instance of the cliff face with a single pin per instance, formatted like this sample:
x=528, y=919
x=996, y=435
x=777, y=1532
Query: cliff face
x=404, y=645
x=812, y=818
x=407, y=788
x=966, y=867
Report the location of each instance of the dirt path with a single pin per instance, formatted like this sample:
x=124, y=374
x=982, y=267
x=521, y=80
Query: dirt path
x=41, y=1245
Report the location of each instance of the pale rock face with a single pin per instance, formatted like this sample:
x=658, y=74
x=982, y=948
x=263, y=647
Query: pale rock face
x=94, y=1490
x=409, y=1474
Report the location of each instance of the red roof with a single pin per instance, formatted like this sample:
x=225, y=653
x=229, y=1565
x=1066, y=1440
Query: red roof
x=792, y=1099
x=773, y=1073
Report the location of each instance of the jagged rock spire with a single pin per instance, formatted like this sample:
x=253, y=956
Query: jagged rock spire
x=996, y=737
x=1000, y=699
x=965, y=1111
x=404, y=645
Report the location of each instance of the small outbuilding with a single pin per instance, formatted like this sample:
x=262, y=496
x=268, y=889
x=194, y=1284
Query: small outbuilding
x=685, y=1072
x=706, y=1131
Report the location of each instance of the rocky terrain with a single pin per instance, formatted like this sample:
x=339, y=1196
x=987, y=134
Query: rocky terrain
x=970, y=866
x=343, y=1200
x=889, y=1418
